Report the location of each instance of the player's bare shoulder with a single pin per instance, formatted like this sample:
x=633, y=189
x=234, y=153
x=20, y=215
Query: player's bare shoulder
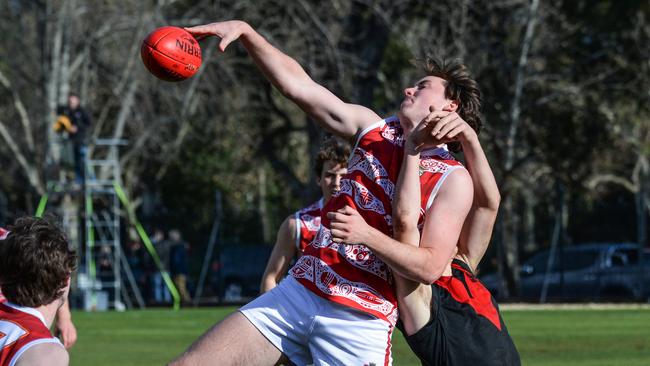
x=50, y=353
x=362, y=117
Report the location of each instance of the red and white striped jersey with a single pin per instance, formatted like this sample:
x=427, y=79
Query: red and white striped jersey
x=20, y=329
x=307, y=224
x=352, y=275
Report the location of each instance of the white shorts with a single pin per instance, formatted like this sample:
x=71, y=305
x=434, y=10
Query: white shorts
x=311, y=330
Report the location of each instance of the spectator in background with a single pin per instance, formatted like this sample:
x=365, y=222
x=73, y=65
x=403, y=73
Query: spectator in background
x=178, y=266
x=160, y=291
x=79, y=125
x=135, y=256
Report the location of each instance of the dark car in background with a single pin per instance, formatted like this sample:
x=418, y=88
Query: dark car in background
x=583, y=272
x=240, y=270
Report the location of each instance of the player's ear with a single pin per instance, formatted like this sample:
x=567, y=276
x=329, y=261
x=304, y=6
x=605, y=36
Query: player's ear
x=452, y=106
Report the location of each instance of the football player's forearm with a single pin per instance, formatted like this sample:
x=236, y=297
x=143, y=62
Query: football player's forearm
x=412, y=262
x=285, y=73
x=406, y=211
x=486, y=191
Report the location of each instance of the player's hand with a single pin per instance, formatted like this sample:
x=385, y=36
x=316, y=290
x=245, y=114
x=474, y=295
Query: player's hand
x=67, y=331
x=348, y=227
x=452, y=127
x=228, y=31
x=421, y=138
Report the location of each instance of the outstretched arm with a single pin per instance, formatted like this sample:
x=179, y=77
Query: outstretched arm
x=338, y=117
x=477, y=229
x=283, y=251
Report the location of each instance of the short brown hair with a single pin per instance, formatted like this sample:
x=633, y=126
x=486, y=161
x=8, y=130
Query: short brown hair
x=331, y=149
x=459, y=86
x=35, y=262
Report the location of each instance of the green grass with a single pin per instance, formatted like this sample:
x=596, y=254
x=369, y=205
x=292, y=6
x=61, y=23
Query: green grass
x=543, y=337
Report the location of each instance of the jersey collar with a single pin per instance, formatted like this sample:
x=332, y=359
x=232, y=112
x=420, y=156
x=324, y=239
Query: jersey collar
x=28, y=310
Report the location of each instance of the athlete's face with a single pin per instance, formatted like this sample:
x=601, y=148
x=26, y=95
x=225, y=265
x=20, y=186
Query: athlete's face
x=73, y=102
x=330, y=178
x=426, y=96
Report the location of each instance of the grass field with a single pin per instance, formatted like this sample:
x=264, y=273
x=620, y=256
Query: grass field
x=543, y=337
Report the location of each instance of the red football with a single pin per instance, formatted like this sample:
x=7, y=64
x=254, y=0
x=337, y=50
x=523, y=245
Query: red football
x=171, y=53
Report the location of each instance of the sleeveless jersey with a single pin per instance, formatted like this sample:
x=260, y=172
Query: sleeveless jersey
x=307, y=224
x=352, y=275
x=20, y=329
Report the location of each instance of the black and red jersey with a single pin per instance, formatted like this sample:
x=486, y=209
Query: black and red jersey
x=466, y=327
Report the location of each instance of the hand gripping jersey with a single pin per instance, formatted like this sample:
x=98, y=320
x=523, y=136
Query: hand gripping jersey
x=351, y=274
x=307, y=224
x=20, y=329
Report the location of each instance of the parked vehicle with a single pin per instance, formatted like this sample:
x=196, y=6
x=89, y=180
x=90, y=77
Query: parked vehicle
x=240, y=271
x=587, y=272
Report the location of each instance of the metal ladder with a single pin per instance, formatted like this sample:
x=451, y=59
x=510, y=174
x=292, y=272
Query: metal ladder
x=106, y=267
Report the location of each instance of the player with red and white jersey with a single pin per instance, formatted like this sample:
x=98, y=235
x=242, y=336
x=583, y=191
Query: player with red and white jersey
x=64, y=326
x=339, y=305
x=22, y=328
x=298, y=230
x=35, y=269
x=455, y=321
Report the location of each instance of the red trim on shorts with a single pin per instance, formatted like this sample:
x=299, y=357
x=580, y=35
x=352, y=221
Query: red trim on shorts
x=388, y=346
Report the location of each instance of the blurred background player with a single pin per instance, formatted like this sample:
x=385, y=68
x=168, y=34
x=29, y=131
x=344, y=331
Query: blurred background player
x=35, y=269
x=299, y=229
x=65, y=328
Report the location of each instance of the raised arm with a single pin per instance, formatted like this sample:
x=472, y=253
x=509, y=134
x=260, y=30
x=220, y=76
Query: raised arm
x=343, y=119
x=283, y=251
x=477, y=230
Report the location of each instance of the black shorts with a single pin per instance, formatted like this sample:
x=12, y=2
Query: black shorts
x=466, y=327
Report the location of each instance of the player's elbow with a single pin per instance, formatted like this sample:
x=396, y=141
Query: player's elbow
x=431, y=276
x=431, y=269
x=494, y=201
x=296, y=88
x=427, y=274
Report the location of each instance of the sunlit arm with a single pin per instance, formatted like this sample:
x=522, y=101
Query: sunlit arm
x=477, y=230
x=283, y=251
